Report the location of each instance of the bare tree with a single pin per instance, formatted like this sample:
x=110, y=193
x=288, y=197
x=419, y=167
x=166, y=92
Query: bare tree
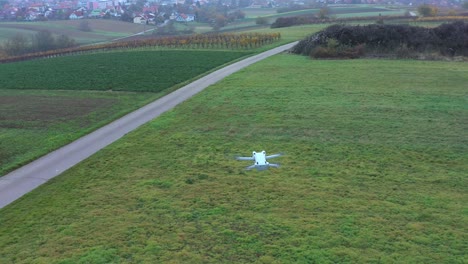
x=261, y=20
x=64, y=41
x=426, y=10
x=43, y=40
x=219, y=22
x=17, y=45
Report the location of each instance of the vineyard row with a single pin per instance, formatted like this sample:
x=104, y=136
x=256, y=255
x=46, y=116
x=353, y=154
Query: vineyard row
x=208, y=41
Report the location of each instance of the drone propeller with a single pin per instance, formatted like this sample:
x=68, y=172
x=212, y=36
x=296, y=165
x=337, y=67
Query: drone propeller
x=274, y=156
x=250, y=167
x=244, y=158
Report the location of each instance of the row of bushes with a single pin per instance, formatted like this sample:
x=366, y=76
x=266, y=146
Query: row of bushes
x=447, y=39
x=223, y=41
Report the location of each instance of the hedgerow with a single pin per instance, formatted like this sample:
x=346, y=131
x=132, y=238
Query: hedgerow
x=209, y=41
x=447, y=40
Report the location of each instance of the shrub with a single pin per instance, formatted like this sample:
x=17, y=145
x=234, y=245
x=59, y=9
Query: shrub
x=334, y=50
x=261, y=21
x=403, y=52
x=426, y=10
x=447, y=39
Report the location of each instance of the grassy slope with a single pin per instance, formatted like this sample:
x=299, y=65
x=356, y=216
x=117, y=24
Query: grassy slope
x=32, y=123
x=375, y=171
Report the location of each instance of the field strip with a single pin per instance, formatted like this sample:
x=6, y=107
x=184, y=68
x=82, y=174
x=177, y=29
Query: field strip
x=23, y=180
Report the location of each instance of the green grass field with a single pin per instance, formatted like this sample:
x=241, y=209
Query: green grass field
x=375, y=171
x=35, y=120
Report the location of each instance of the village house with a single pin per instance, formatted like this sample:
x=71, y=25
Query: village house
x=76, y=15
x=140, y=19
x=96, y=13
x=184, y=18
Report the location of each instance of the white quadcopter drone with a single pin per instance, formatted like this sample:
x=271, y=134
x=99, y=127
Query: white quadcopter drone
x=260, y=160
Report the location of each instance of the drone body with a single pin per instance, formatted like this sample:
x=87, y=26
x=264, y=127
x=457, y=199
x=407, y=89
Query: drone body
x=260, y=160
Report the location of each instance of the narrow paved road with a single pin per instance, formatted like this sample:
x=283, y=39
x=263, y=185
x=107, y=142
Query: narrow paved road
x=23, y=180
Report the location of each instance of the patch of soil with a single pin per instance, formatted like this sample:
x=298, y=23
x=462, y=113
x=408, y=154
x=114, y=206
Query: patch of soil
x=43, y=110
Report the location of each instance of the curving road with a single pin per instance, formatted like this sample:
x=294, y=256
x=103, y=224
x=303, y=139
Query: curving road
x=23, y=180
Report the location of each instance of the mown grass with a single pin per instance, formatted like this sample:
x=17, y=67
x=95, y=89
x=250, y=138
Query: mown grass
x=375, y=171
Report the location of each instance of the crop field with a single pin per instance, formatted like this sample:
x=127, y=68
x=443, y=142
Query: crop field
x=143, y=71
x=271, y=15
x=102, y=29
x=34, y=121
x=370, y=14
x=253, y=13
x=351, y=11
x=375, y=170
x=7, y=33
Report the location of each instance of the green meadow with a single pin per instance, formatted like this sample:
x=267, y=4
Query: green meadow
x=375, y=171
